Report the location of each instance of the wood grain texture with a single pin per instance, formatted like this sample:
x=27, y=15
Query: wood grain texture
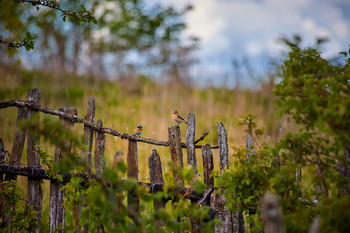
x=190, y=143
x=176, y=153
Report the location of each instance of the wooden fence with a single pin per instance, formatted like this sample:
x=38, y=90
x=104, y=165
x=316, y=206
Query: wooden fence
x=232, y=222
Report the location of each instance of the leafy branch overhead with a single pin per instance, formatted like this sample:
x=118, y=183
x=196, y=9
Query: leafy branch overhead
x=82, y=16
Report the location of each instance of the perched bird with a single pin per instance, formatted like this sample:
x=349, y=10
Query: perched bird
x=138, y=130
x=177, y=118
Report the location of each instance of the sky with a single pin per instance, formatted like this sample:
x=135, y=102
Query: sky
x=234, y=29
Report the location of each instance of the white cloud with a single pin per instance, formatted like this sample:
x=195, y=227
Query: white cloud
x=239, y=28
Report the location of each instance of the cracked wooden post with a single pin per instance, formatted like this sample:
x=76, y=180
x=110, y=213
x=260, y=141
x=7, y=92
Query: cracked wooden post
x=208, y=166
x=156, y=175
x=176, y=153
x=271, y=214
x=190, y=144
x=100, y=140
x=231, y=222
x=34, y=197
x=89, y=132
x=133, y=172
x=56, y=208
x=223, y=146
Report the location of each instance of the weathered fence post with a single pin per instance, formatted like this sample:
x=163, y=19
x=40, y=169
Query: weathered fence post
x=190, y=137
x=89, y=132
x=34, y=197
x=271, y=214
x=231, y=222
x=133, y=172
x=156, y=175
x=176, y=153
x=88, y=137
x=223, y=146
x=100, y=140
x=18, y=142
x=56, y=208
x=208, y=165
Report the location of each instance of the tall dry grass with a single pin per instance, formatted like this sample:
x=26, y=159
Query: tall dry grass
x=124, y=104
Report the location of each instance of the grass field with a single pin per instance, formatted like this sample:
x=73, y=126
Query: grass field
x=123, y=105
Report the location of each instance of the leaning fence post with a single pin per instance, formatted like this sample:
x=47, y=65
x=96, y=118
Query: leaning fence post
x=100, y=140
x=208, y=165
x=190, y=137
x=34, y=197
x=176, y=153
x=56, y=208
x=18, y=142
x=156, y=175
x=89, y=132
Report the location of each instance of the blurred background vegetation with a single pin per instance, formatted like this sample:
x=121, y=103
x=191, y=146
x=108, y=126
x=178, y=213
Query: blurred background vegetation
x=135, y=62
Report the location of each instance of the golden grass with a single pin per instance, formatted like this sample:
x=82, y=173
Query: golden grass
x=123, y=105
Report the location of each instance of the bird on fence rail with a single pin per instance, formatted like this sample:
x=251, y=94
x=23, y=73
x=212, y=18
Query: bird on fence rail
x=177, y=118
x=138, y=130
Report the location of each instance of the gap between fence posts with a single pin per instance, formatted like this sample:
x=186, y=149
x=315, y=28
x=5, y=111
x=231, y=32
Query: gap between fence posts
x=34, y=197
x=56, y=207
x=156, y=175
x=190, y=143
x=176, y=153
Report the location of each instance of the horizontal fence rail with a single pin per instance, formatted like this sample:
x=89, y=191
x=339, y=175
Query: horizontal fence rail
x=33, y=106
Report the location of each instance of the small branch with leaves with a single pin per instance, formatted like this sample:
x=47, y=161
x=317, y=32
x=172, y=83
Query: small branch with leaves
x=83, y=15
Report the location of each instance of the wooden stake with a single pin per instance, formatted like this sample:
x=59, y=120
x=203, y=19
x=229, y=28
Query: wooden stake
x=176, y=153
x=190, y=142
x=100, y=140
x=88, y=131
x=34, y=197
x=208, y=165
x=56, y=208
x=156, y=175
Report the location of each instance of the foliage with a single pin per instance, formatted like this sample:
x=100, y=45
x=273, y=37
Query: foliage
x=308, y=169
x=22, y=215
x=81, y=16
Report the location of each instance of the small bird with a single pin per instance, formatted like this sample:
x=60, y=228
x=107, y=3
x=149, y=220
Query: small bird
x=177, y=118
x=138, y=130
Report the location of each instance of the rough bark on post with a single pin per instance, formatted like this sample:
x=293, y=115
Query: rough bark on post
x=56, y=208
x=190, y=141
x=176, y=153
x=133, y=171
x=208, y=165
x=156, y=175
x=100, y=140
x=89, y=132
x=231, y=222
x=271, y=214
x=223, y=146
x=34, y=197
x=249, y=145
